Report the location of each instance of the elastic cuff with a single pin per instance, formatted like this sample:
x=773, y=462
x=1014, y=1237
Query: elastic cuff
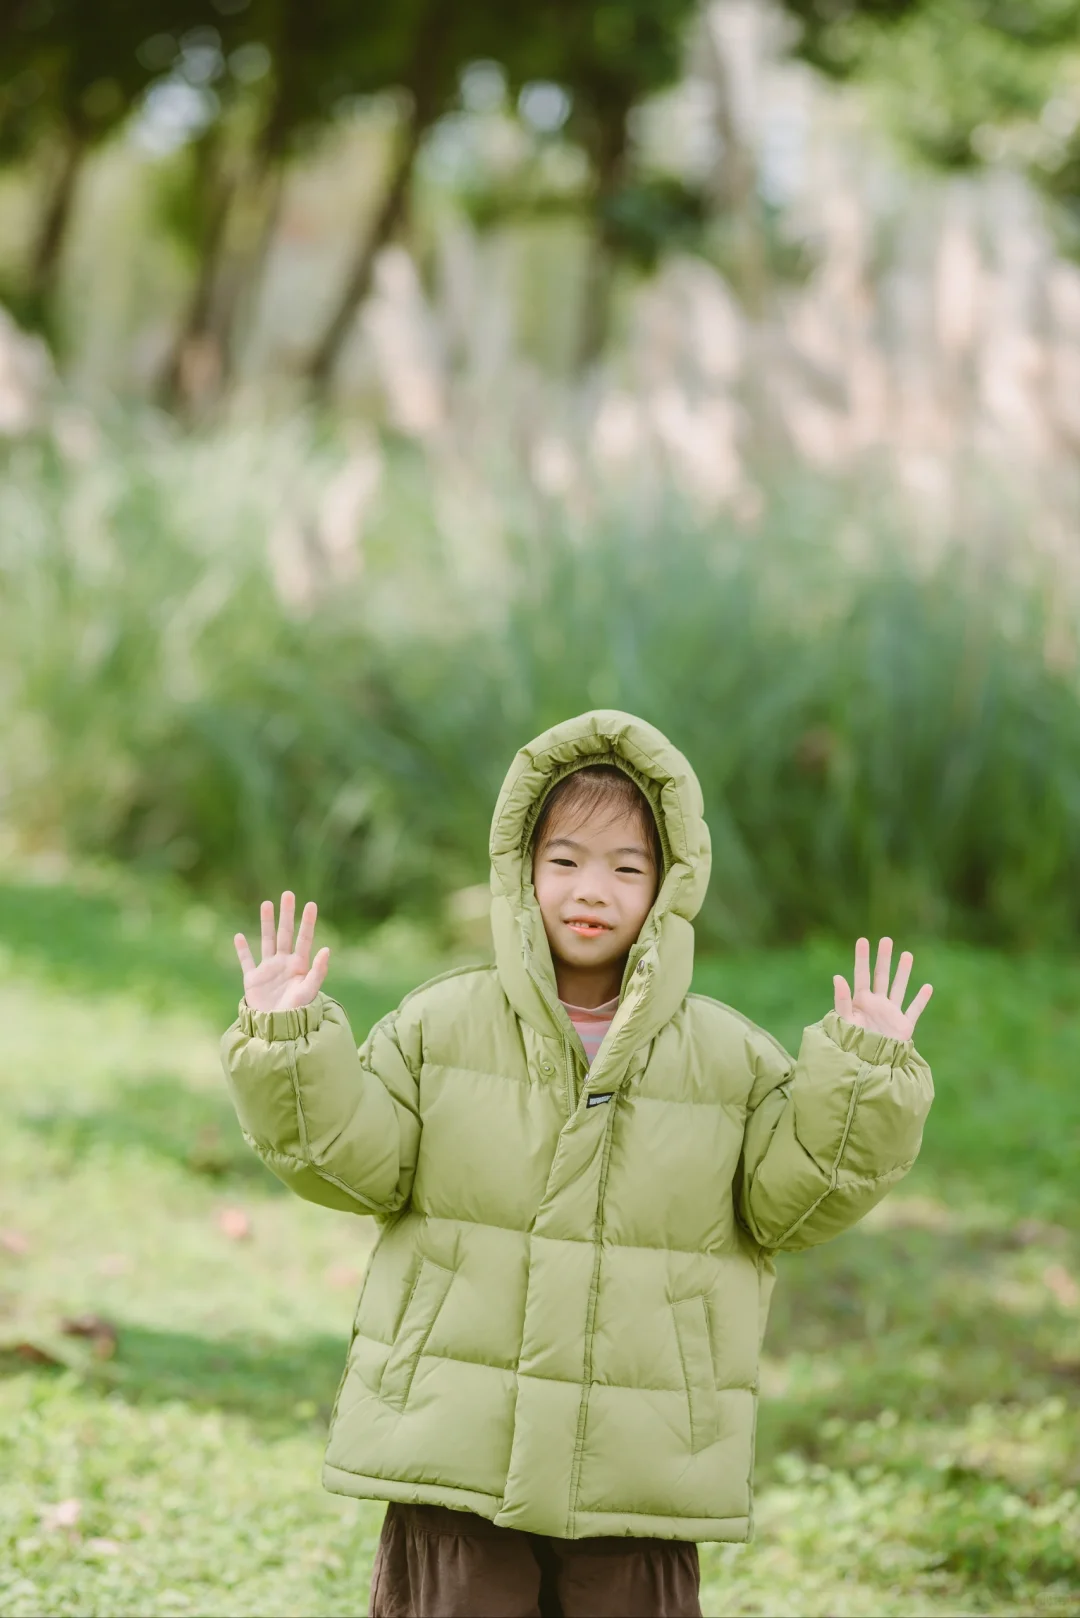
x=880, y=1050
x=278, y=1025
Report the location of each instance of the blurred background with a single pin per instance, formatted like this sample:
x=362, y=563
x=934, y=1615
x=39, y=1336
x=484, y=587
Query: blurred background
x=378, y=386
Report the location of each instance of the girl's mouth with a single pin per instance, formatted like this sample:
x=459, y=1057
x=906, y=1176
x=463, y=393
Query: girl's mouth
x=588, y=929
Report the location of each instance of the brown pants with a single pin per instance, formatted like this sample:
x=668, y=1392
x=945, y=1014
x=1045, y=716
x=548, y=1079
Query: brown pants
x=436, y=1563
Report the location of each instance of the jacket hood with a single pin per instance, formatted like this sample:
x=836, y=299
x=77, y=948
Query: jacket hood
x=660, y=964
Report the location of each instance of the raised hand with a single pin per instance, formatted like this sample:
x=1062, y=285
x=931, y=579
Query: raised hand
x=880, y=1009
x=285, y=977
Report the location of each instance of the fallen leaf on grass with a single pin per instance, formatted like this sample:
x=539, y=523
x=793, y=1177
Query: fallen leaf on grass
x=322, y=1558
x=343, y=1275
x=235, y=1224
x=911, y=1213
x=1036, y=1232
x=13, y=1241
x=209, y=1153
x=1065, y=1290
x=100, y=1333
x=64, y=1514
x=31, y=1353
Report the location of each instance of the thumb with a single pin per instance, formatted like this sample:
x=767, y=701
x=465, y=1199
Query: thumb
x=314, y=978
x=842, y=998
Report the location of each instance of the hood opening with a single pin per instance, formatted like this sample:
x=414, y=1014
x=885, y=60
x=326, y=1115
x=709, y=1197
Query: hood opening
x=665, y=943
x=644, y=785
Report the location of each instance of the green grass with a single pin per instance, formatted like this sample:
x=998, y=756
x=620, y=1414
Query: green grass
x=919, y=1438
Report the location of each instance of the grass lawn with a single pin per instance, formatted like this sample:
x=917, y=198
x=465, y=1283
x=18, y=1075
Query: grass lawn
x=919, y=1438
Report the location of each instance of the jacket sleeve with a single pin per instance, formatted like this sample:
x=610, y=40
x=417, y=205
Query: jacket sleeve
x=827, y=1135
x=338, y=1126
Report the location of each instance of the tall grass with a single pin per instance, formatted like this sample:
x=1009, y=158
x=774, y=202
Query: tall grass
x=199, y=671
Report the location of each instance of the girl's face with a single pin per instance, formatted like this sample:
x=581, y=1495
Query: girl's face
x=595, y=883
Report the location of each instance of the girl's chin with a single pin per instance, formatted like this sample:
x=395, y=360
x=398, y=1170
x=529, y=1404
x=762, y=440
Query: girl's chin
x=591, y=951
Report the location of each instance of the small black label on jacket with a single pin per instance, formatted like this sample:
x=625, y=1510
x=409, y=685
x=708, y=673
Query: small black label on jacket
x=596, y=1101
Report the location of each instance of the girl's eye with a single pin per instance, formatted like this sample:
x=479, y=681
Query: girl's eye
x=557, y=861
x=631, y=870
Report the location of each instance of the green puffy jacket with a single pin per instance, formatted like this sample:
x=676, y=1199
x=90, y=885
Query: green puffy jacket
x=560, y=1324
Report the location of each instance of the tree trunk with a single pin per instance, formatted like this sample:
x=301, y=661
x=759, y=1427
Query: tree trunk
x=595, y=324
x=239, y=301
x=609, y=156
x=9, y=16
x=196, y=328
x=264, y=178
x=324, y=358
x=48, y=248
x=734, y=185
x=426, y=80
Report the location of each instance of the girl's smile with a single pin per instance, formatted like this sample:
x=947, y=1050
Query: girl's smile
x=588, y=926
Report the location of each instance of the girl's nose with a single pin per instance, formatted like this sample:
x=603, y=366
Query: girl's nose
x=589, y=890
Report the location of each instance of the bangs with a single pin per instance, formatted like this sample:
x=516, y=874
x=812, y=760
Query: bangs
x=598, y=789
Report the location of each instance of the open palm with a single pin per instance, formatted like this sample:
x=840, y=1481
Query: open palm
x=877, y=1007
x=285, y=977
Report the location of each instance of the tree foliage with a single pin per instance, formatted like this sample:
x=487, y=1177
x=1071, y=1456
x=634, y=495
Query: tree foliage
x=76, y=72
x=964, y=82
x=961, y=81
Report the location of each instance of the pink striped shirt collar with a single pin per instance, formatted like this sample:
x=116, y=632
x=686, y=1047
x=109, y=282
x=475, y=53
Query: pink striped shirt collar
x=591, y=1023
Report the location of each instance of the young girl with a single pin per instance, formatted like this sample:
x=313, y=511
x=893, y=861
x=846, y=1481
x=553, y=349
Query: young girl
x=581, y=1171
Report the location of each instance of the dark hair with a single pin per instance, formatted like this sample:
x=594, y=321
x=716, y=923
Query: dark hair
x=591, y=787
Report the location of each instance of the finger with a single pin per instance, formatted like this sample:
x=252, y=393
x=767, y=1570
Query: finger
x=900, y=982
x=266, y=920
x=285, y=923
x=247, y=960
x=882, y=966
x=918, y=1005
x=862, y=967
x=306, y=934
x=841, y=998
x=319, y=968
